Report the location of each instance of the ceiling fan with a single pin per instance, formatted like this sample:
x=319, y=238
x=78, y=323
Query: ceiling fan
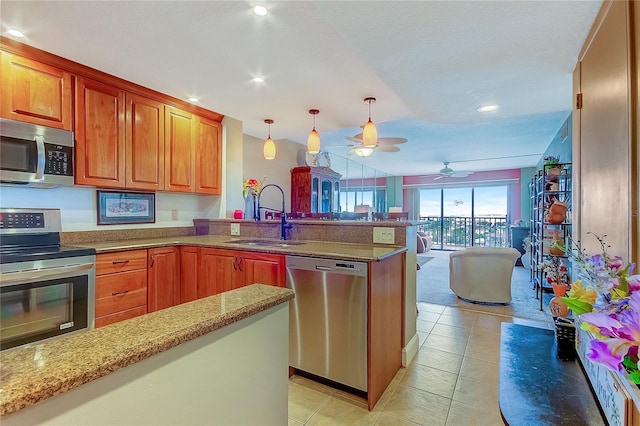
x=383, y=145
x=447, y=172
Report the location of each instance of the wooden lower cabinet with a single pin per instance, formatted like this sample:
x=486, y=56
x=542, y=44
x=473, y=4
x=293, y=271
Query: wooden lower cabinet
x=121, y=286
x=136, y=282
x=222, y=270
x=163, y=278
x=188, y=273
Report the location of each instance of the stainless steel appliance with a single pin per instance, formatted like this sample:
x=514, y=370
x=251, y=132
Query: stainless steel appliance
x=35, y=156
x=46, y=289
x=328, y=319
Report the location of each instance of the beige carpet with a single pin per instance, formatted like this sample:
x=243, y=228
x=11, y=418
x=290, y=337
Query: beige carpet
x=433, y=287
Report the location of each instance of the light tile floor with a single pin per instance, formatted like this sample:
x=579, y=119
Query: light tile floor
x=453, y=379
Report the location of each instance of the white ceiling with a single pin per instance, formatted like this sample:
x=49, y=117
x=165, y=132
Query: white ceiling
x=430, y=64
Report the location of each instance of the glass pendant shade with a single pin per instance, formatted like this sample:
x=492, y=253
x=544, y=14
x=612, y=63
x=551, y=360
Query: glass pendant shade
x=363, y=152
x=369, y=135
x=313, y=142
x=269, y=149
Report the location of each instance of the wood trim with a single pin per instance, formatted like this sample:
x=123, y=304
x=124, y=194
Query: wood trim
x=633, y=13
x=76, y=68
x=597, y=23
x=384, y=325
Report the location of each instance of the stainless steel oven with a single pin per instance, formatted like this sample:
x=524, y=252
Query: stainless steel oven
x=35, y=156
x=46, y=289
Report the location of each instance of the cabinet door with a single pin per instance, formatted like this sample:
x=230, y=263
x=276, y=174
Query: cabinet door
x=209, y=157
x=35, y=92
x=188, y=274
x=216, y=272
x=262, y=268
x=100, y=147
x=179, y=172
x=144, y=143
x=163, y=278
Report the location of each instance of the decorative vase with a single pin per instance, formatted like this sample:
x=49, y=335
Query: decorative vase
x=526, y=260
x=559, y=290
x=557, y=213
x=553, y=172
x=251, y=207
x=558, y=308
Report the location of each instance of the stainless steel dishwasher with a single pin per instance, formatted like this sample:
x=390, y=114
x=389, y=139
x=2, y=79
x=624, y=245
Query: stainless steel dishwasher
x=328, y=319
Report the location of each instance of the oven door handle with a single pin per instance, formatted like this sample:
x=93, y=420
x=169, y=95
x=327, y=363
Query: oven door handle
x=21, y=277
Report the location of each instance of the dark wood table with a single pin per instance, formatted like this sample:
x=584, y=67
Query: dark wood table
x=536, y=387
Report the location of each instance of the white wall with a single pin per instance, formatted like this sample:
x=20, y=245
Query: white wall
x=278, y=170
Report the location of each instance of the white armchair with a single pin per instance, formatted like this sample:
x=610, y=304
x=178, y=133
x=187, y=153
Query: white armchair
x=482, y=274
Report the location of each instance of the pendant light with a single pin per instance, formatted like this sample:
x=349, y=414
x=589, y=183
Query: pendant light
x=269, y=148
x=369, y=133
x=313, y=141
x=362, y=151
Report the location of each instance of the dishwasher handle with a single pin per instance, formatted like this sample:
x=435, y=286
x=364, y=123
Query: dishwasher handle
x=332, y=266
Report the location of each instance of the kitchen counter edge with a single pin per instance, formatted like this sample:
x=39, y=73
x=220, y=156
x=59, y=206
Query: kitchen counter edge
x=36, y=372
x=321, y=249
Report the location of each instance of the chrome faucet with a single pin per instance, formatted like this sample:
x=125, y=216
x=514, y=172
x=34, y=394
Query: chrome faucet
x=283, y=220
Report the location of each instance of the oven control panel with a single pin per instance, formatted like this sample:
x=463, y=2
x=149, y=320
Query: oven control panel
x=29, y=221
x=21, y=220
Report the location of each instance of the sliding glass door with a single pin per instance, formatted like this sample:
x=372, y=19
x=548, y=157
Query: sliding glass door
x=466, y=216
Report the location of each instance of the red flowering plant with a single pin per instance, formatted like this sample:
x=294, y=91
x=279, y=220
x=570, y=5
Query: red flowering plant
x=252, y=186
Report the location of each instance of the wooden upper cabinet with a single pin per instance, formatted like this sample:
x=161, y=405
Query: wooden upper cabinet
x=179, y=158
x=144, y=143
x=209, y=157
x=100, y=130
x=35, y=92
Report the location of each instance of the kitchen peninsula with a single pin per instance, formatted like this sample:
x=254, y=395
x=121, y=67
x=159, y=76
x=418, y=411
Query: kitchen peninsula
x=196, y=363
x=220, y=260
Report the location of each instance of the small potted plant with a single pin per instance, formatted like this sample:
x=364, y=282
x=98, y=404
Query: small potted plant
x=552, y=167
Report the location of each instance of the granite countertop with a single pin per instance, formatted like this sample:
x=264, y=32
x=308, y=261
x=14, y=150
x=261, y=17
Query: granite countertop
x=33, y=373
x=322, y=249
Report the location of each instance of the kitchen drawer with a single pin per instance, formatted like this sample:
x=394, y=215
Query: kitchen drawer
x=120, y=316
x=118, y=292
x=108, y=263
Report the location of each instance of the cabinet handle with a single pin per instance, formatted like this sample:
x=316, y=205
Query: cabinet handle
x=153, y=260
x=120, y=262
x=120, y=293
x=235, y=266
x=240, y=264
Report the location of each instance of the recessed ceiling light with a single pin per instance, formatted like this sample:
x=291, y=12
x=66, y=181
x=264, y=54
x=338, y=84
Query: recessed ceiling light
x=192, y=99
x=260, y=10
x=15, y=33
x=487, y=108
x=257, y=80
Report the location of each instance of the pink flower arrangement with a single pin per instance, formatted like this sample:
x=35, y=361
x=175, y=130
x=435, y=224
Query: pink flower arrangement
x=607, y=300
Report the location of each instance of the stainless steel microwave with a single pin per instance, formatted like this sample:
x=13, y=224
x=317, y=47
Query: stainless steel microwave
x=35, y=156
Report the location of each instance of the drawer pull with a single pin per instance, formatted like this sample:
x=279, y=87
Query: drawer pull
x=120, y=293
x=120, y=262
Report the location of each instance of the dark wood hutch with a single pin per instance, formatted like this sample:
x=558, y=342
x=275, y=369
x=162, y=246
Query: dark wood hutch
x=314, y=189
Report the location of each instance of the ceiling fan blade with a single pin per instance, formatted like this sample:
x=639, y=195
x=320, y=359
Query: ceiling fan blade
x=387, y=148
x=394, y=141
x=357, y=138
x=439, y=177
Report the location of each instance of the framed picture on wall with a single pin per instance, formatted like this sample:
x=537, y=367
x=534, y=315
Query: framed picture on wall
x=118, y=208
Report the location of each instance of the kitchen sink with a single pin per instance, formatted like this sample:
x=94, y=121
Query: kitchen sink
x=266, y=243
